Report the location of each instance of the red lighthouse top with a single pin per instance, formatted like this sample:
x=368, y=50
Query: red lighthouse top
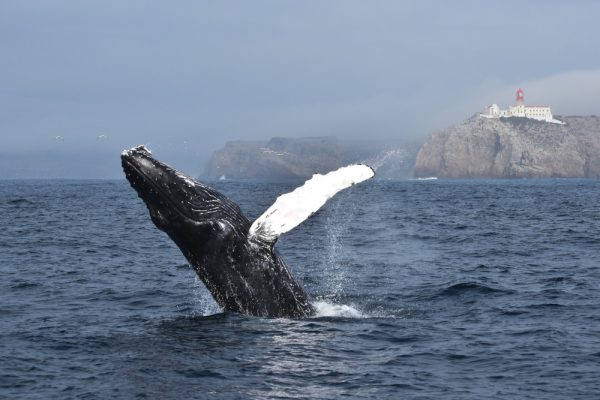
x=520, y=95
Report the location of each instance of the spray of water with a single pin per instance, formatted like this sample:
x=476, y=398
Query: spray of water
x=336, y=279
x=325, y=309
x=379, y=160
x=204, y=304
x=334, y=255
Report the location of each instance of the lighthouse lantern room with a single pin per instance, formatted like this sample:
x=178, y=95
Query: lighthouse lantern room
x=520, y=96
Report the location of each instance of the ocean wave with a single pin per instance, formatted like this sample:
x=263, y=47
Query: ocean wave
x=469, y=288
x=19, y=201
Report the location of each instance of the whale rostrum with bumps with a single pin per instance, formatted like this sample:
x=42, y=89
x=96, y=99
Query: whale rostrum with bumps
x=234, y=258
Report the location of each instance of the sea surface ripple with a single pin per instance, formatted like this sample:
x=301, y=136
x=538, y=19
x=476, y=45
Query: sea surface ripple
x=425, y=289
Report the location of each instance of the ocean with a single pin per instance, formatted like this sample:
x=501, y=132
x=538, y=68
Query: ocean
x=425, y=290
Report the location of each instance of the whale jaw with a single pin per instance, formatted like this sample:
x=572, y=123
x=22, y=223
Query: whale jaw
x=150, y=179
x=173, y=198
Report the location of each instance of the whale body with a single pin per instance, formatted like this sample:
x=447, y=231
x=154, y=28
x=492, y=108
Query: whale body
x=233, y=257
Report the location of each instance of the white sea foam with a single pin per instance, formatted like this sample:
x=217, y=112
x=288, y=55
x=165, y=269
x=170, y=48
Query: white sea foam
x=325, y=309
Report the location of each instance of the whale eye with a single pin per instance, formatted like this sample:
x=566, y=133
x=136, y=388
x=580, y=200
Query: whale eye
x=223, y=228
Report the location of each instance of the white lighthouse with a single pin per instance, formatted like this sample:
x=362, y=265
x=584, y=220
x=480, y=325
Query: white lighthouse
x=540, y=113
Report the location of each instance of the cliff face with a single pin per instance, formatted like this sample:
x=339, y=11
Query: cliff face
x=513, y=148
x=279, y=158
x=293, y=158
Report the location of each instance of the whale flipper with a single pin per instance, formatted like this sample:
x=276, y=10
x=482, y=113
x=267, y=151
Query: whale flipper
x=290, y=209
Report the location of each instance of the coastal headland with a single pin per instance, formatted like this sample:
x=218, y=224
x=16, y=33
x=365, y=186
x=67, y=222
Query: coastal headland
x=513, y=147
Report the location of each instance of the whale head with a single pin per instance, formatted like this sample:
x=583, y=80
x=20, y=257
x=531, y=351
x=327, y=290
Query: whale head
x=188, y=211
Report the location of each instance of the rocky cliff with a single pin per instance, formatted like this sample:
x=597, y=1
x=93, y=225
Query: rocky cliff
x=279, y=158
x=513, y=148
x=293, y=158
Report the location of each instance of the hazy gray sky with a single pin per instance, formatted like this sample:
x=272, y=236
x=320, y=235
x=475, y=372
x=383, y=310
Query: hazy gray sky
x=186, y=76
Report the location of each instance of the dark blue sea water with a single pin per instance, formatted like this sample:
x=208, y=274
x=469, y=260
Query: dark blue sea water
x=426, y=290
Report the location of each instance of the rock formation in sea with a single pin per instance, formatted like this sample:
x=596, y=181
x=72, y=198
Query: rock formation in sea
x=513, y=148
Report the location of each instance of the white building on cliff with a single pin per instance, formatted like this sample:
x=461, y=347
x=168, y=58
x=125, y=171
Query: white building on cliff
x=540, y=113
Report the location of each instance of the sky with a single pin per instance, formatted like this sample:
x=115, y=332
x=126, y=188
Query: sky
x=82, y=80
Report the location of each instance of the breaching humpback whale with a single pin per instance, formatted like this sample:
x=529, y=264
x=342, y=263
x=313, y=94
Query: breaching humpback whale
x=233, y=257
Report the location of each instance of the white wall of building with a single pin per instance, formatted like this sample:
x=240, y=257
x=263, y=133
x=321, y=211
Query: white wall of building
x=540, y=113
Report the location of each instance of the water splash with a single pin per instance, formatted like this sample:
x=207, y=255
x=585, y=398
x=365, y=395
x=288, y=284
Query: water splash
x=379, y=160
x=333, y=257
x=204, y=304
x=325, y=309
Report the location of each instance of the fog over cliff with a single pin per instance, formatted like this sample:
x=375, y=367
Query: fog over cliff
x=186, y=78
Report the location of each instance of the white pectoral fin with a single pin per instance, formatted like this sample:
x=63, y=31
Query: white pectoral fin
x=290, y=209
